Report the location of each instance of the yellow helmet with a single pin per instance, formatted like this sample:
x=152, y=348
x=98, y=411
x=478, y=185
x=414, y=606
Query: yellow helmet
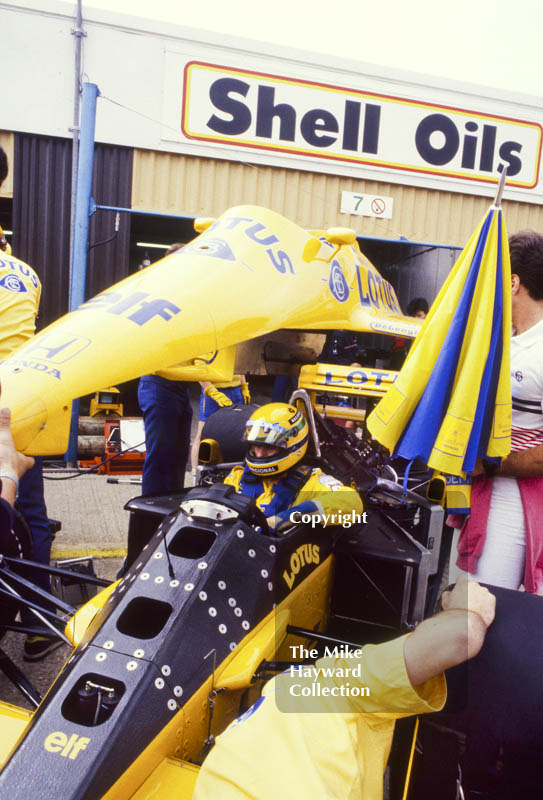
x=280, y=426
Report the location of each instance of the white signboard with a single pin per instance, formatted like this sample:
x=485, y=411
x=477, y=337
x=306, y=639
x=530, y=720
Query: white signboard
x=282, y=114
x=366, y=205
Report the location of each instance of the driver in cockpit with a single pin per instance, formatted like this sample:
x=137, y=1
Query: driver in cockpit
x=286, y=490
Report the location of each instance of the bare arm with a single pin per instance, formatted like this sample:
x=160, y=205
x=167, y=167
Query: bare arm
x=453, y=636
x=11, y=461
x=524, y=464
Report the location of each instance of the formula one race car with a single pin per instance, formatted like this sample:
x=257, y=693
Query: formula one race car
x=167, y=656
x=164, y=658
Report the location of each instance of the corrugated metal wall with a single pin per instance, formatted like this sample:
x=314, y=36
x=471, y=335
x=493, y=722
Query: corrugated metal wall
x=178, y=184
x=41, y=216
x=111, y=186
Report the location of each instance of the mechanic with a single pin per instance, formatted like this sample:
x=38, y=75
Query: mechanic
x=502, y=541
x=341, y=749
x=272, y=474
x=20, y=290
x=212, y=397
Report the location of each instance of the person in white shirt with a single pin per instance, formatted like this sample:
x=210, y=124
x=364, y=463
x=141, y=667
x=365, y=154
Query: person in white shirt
x=507, y=549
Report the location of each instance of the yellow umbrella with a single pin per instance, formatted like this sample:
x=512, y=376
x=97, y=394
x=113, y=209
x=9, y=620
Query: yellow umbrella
x=451, y=402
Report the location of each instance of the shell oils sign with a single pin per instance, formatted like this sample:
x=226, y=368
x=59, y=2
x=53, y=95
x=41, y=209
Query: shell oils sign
x=272, y=113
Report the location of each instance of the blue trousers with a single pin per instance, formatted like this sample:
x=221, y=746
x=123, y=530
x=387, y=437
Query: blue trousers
x=31, y=502
x=167, y=416
x=283, y=386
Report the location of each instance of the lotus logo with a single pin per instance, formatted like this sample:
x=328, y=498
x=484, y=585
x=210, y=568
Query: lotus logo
x=211, y=246
x=337, y=283
x=12, y=283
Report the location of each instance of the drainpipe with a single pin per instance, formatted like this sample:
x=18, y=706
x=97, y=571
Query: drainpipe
x=78, y=272
x=79, y=33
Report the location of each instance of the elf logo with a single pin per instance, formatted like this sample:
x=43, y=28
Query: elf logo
x=277, y=113
x=68, y=747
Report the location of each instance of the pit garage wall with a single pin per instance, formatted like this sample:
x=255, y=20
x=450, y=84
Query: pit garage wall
x=41, y=169
x=179, y=184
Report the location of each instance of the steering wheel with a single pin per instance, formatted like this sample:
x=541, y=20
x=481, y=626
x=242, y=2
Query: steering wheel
x=226, y=495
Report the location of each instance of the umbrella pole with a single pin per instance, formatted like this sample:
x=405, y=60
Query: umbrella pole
x=501, y=187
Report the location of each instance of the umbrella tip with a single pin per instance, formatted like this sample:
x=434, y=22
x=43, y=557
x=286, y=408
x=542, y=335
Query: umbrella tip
x=501, y=186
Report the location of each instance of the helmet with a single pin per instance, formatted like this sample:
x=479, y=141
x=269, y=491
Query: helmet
x=277, y=425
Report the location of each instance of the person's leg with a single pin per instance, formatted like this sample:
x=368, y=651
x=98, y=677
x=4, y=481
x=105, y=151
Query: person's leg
x=184, y=421
x=280, y=391
x=161, y=408
x=31, y=503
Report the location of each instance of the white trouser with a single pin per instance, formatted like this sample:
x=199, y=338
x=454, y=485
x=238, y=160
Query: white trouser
x=503, y=559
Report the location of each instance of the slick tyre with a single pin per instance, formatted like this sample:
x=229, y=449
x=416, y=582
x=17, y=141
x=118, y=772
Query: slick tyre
x=227, y=426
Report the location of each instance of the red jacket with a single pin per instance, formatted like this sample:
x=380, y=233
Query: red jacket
x=472, y=538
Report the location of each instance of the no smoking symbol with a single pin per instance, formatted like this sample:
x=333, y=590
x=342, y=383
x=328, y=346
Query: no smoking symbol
x=378, y=206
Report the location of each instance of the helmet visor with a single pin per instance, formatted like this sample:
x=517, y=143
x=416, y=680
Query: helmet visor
x=260, y=431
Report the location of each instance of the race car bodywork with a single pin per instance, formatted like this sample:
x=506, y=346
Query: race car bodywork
x=180, y=645
x=185, y=311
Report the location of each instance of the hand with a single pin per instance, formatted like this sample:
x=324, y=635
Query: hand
x=468, y=595
x=245, y=391
x=10, y=459
x=277, y=523
x=478, y=469
x=219, y=397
